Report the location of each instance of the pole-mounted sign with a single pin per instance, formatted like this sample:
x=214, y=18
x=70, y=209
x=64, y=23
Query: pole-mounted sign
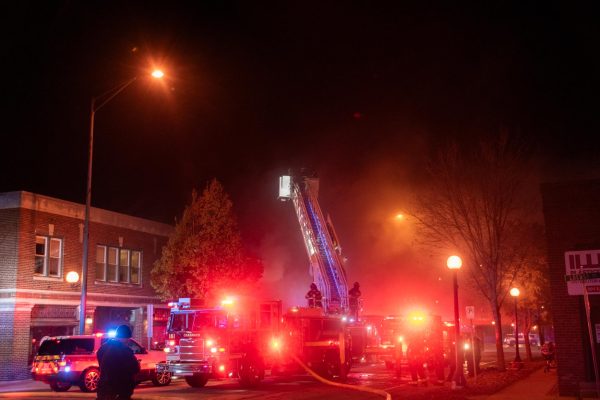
x=583, y=278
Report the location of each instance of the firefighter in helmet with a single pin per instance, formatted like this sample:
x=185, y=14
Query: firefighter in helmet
x=415, y=353
x=353, y=296
x=314, y=297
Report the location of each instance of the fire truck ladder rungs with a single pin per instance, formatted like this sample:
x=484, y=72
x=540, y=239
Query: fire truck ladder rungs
x=330, y=262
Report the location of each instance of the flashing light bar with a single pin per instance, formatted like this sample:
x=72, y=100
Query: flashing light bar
x=228, y=301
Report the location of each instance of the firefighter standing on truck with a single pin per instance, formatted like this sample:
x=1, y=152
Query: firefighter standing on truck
x=354, y=295
x=314, y=297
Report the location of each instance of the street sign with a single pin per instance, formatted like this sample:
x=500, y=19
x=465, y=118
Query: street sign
x=584, y=276
x=470, y=311
x=582, y=268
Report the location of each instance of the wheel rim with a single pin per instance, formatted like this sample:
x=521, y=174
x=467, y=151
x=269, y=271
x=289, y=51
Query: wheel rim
x=163, y=377
x=91, y=380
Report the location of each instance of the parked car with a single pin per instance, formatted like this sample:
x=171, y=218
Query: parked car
x=509, y=339
x=64, y=361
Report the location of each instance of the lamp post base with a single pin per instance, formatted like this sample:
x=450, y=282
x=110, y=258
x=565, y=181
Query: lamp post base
x=516, y=364
x=459, y=381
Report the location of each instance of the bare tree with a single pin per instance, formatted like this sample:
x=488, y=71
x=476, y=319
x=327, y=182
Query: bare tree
x=478, y=201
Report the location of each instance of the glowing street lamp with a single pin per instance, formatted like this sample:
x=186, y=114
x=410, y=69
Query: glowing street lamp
x=96, y=104
x=515, y=292
x=72, y=277
x=454, y=263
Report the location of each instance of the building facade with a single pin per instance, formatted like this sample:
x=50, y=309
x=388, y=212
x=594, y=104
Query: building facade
x=41, y=241
x=572, y=217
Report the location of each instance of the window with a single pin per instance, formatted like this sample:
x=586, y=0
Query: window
x=118, y=265
x=48, y=256
x=69, y=346
x=112, y=264
x=124, y=265
x=101, y=263
x=135, y=347
x=136, y=263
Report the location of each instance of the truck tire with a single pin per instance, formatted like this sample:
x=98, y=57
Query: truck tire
x=59, y=386
x=197, y=380
x=161, y=378
x=331, y=367
x=252, y=371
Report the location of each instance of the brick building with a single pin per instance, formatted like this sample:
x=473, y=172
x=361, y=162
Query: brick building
x=572, y=215
x=40, y=242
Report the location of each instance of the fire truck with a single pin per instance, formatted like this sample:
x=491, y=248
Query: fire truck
x=229, y=340
x=244, y=339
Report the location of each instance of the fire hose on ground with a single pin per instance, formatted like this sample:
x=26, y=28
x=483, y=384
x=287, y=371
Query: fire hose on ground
x=341, y=385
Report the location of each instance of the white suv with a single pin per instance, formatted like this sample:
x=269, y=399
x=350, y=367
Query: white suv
x=64, y=361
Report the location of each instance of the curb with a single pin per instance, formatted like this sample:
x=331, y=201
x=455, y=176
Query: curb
x=66, y=395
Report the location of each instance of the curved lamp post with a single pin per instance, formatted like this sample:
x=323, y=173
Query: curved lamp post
x=454, y=263
x=96, y=104
x=515, y=292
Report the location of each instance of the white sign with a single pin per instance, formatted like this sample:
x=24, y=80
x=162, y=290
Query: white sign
x=582, y=262
x=470, y=311
x=285, y=187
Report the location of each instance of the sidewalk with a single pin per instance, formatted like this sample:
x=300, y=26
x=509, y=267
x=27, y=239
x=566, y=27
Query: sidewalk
x=537, y=386
x=23, y=385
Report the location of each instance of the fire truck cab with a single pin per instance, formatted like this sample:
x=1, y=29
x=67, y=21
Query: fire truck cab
x=230, y=340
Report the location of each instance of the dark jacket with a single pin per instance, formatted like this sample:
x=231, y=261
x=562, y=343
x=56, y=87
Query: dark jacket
x=118, y=367
x=314, y=297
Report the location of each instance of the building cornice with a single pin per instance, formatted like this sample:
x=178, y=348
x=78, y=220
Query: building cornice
x=40, y=203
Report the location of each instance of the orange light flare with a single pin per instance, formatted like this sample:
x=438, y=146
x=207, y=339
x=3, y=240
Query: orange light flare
x=399, y=217
x=275, y=344
x=416, y=318
x=228, y=301
x=158, y=74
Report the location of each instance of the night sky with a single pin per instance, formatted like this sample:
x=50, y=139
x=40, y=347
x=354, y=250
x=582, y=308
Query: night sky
x=361, y=92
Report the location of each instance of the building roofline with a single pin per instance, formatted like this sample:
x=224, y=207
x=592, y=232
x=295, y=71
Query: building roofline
x=51, y=205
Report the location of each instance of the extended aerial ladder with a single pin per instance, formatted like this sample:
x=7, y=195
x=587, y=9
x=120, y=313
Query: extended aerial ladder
x=320, y=239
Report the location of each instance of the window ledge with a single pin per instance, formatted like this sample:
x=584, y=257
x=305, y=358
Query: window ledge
x=118, y=284
x=47, y=278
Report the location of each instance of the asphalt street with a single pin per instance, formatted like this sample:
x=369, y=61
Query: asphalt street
x=273, y=388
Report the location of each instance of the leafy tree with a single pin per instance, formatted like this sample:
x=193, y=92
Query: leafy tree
x=479, y=202
x=534, y=287
x=204, y=257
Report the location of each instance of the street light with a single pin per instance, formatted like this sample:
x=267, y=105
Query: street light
x=514, y=292
x=96, y=104
x=72, y=277
x=454, y=263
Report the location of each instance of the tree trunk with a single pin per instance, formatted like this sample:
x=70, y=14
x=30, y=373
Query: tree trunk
x=538, y=321
x=526, y=330
x=498, y=329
